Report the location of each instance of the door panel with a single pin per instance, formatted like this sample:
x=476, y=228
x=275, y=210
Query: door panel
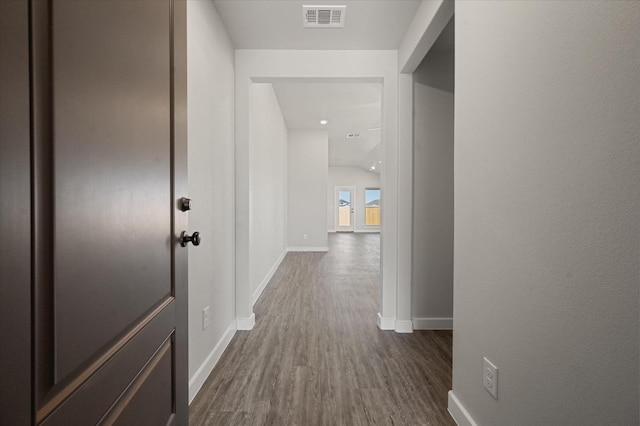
x=96, y=395
x=149, y=398
x=108, y=159
x=112, y=171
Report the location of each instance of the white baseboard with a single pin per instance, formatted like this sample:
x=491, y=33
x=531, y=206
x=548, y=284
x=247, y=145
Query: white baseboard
x=357, y=231
x=399, y=326
x=433, y=323
x=458, y=412
x=246, y=323
x=321, y=249
x=212, y=359
x=256, y=294
x=386, y=323
x=403, y=326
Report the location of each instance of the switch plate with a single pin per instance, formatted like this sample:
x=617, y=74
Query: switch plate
x=490, y=378
x=305, y=236
x=205, y=318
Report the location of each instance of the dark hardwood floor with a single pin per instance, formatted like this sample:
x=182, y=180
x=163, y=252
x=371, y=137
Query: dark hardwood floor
x=317, y=357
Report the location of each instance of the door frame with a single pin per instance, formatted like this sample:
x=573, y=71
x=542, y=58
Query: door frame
x=336, y=208
x=269, y=66
x=179, y=218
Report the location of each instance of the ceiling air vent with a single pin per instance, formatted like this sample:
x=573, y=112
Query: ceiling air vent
x=324, y=16
x=353, y=135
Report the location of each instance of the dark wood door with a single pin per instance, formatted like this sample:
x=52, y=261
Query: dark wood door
x=108, y=166
x=15, y=215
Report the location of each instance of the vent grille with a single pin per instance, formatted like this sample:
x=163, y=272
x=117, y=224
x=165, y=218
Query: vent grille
x=324, y=16
x=336, y=16
x=312, y=15
x=353, y=135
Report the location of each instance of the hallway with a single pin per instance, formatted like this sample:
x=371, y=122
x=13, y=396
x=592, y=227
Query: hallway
x=317, y=357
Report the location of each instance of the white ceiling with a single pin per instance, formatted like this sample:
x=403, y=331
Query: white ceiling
x=265, y=24
x=348, y=108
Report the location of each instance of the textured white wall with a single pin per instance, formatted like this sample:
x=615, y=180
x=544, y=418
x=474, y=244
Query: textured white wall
x=432, y=254
x=211, y=174
x=547, y=211
x=268, y=182
x=308, y=156
x=358, y=178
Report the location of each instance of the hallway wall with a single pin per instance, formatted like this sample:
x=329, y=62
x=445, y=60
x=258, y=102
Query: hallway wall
x=211, y=71
x=360, y=179
x=307, y=158
x=432, y=243
x=547, y=212
x=268, y=183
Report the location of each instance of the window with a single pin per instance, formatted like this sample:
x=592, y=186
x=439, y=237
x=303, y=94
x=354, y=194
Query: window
x=372, y=206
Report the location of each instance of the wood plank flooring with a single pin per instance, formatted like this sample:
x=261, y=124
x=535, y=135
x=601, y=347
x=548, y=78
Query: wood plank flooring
x=317, y=357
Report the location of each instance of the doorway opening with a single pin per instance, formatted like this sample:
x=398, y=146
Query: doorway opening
x=376, y=70
x=316, y=147
x=344, y=204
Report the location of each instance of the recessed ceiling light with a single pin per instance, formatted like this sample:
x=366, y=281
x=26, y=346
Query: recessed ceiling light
x=373, y=167
x=323, y=122
x=380, y=162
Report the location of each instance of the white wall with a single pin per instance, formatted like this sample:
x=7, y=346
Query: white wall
x=432, y=254
x=358, y=178
x=307, y=159
x=268, y=186
x=211, y=174
x=547, y=211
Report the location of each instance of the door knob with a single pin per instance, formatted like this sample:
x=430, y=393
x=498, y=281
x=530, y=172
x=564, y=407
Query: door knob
x=194, y=239
x=185, y=204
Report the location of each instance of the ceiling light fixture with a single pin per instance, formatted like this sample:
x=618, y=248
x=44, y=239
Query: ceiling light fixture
x=323, y=122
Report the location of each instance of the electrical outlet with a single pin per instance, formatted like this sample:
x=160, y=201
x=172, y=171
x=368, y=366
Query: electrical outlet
x=205, y=318
x=305, y=236
x=490, y=378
